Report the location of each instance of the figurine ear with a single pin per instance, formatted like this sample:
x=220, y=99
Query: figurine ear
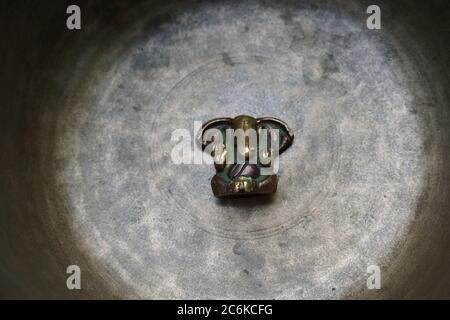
x=221, y=124
x=286, y=137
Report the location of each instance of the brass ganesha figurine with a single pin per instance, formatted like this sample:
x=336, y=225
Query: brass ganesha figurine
x=252, y=175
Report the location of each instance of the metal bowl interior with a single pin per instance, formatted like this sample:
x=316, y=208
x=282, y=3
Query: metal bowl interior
x=86, y=171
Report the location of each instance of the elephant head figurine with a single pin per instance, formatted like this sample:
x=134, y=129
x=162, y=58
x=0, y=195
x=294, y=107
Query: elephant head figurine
x=251, y=175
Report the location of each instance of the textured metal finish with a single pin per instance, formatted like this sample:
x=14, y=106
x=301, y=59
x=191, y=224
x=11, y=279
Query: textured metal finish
x=249, y=168
x=86, y=176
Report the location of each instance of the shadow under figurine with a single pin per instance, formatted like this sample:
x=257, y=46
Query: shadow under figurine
x=247, y=177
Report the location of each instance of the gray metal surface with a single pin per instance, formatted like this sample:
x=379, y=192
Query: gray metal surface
x=87, y=176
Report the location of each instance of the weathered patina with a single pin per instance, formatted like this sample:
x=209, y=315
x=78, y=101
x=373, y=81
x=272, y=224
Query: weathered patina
x=244, y=178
